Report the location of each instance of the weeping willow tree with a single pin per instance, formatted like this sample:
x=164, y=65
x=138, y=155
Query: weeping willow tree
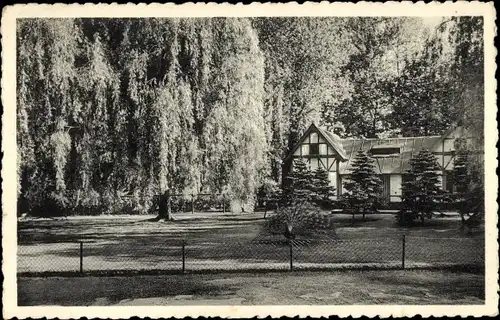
x=112, y=112
x=47, y=83
x=234, y=130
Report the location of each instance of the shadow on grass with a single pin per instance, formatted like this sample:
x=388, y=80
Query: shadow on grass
x=157, y=233
x=357, y=222
x=453, y=282
x=105, y=290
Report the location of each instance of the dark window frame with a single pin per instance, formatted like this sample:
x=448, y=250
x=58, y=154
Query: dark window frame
x=385, y=151
x=314, y=149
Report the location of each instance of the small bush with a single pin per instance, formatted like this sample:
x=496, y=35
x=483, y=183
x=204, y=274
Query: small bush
x=406, y=218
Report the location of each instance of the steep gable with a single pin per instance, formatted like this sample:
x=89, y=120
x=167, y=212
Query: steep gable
x=330, y=139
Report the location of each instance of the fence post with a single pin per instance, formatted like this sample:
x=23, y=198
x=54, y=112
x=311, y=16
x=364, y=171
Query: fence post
x=265, y=207
x=183, y=256
x=291, y=254
x=192, y=203
x=81, y=257
x=223, y=204
x=403, y=252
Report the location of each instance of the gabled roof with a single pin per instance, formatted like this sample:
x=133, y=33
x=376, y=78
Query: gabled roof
x=397, y=163
x=331, y=138
x=449, y=132
x=334, y=141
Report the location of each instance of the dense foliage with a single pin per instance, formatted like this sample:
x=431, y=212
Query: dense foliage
x=298, y=186
x=323, y=192
x=421, y=192
x=113, y=112
x=468, y=194
x=304, y=185
x=363, y=188
x=305, y=192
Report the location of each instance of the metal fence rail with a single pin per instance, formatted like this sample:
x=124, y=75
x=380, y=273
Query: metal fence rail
x=110, y=256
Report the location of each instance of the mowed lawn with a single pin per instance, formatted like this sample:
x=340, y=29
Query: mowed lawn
x=284, y=288
x=216, y=241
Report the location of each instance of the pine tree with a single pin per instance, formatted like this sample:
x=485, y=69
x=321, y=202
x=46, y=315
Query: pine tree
x=299, y=185
x=322, y=190
x=421, y=192
x=469, y=195
x=363, y=188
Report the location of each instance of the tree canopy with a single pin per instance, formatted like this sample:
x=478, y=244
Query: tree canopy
x=113, y=112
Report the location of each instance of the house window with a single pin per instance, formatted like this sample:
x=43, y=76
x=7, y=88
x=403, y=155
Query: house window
x=385, y=151
x=314, y=137
x=305, y=149
x=314, y=149
x=323, y=149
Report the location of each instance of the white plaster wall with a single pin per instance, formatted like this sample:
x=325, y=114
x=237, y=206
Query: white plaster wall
x=313, y=164
x=330, y=150
x=439, y=159
x=332, y=176
x=396, y=180
x=343, y=179
x=449, y=145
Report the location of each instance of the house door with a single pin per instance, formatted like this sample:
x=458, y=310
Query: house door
x=386, y=187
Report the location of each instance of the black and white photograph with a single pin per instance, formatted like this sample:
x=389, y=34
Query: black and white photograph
x=251, y=160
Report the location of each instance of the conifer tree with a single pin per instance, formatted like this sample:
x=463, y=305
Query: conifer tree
x=421, y=192
x=299, y=187
x=322, y=190
x=363, y=187
x=469, y=194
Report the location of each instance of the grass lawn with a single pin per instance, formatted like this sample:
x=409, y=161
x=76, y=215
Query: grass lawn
x=227, y=241
x=285, y=288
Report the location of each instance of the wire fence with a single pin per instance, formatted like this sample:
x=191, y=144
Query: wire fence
x=273, y=255
x=198, y=202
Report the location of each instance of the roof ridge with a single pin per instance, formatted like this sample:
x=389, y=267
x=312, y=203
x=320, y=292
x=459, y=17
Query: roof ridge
x=417, y=137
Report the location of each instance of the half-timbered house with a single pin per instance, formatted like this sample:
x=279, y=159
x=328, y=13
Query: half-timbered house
x=320, y=148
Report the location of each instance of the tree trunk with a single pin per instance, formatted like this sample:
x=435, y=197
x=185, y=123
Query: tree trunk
x=265, y=209
x=164, y=207
x=462, y=218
